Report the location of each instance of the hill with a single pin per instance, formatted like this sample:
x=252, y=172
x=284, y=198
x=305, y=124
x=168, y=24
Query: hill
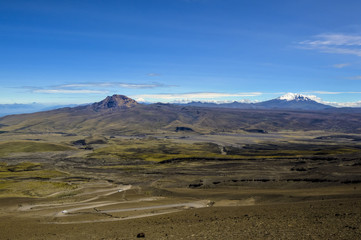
x=120, y=115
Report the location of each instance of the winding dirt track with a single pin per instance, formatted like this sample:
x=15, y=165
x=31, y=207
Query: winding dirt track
x=105, y=211
x=143, y=207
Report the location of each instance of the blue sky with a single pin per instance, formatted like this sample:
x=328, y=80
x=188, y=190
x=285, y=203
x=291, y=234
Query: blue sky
x=63, y=52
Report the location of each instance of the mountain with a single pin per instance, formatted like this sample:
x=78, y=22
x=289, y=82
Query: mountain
x=120, y=115
x=114, y=102
x=293, y=101
x=235, y=104
x=109, y=103
x=290, y=101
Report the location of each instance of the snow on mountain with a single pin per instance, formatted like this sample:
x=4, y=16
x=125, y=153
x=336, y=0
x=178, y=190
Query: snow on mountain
x=299, y=97
x=294, y=101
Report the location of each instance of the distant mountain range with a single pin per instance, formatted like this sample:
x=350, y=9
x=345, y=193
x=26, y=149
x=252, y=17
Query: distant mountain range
x=289, y=101
x=120, y=115
x=16, y=108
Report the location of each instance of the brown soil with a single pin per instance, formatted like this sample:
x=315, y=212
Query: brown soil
x=324, y=219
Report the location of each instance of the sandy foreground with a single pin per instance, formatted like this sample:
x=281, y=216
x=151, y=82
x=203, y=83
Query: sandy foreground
x=111, y=216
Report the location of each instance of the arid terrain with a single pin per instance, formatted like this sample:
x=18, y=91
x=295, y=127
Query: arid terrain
x=182, y=186
x=180, y=181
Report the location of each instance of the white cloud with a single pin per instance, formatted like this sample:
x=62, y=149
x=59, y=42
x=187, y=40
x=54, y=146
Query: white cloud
x=341, y=65
x=214, y=101
x=336, y=104
x=334, y=40
x=356, y=52
x=327, y=92
x=130, y=85
x=322, y=92
x=68, y=91
x=140, y=100
x=355, y=78
x=344, y=104
x=113, y=84
x=77, y=85
x=153, y=74
x=334, y=43
x=193, y=96
x=92, y=88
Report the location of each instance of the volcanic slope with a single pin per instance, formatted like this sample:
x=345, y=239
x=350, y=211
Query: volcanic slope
x=120, y=115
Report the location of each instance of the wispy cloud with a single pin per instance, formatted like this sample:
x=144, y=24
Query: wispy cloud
x=67, y=91
x=328, y=92
x=341, y=65
x=192, y=96
x=340, y=104
x=334, y=43
x=344, y=104
x=93, y=88
x=355, y=78
x=113, y=84
x=334, y=39
x=153, y=74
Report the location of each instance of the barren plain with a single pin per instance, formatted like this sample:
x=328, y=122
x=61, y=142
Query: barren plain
x=181, y=185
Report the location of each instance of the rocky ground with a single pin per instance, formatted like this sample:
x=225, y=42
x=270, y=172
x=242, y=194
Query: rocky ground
x=323, y=219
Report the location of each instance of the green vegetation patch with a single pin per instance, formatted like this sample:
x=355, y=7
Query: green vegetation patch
x=24, y=166
x=27, y=170
x=31, y=188
x=163, y=149
x=7, y=148
x=157, y=150
x=289, y=150
x=28, y=179
x=38, y=174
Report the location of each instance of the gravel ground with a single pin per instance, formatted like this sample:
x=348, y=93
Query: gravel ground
x=323, y=219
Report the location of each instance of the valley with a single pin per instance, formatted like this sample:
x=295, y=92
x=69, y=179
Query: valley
x=114, y=171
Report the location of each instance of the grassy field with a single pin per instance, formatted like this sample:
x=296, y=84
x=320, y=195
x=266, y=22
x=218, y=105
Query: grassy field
x=152, y=149
x=28, y=179
x=156, y=150
x=7, y=148
x=26, y=170
x=31, y=188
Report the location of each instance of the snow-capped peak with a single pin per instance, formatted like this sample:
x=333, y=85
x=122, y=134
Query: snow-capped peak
x=298, y=97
